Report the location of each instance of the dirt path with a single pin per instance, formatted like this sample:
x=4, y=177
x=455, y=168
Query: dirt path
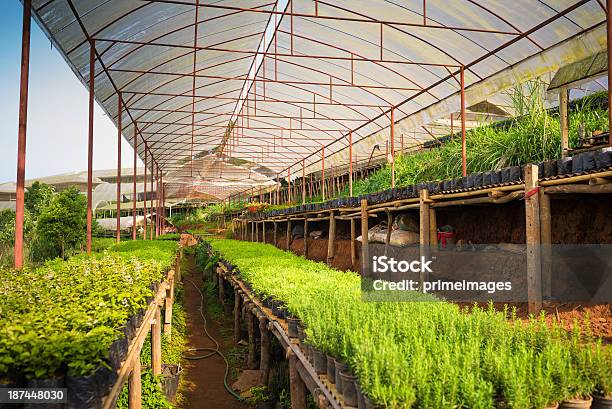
x=204, y=378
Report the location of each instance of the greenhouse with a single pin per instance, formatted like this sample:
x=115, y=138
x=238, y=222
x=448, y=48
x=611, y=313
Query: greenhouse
x=316, y=204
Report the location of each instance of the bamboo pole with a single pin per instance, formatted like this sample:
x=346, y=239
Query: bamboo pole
x=306, y=238
x=580, y=189
x=135, y=386
x=168, y=304
x=433, y=226
x=264, y=358
x=424, y=231
x=533, y=240
x=365, y=249
x=237, y=307
x=389, y=225
x=353, y=254
x=331, y=240
x=546, y=239
x=296, y=384
x=156, y=343
x=275, y=234
x=288, y=233
x=251, y=360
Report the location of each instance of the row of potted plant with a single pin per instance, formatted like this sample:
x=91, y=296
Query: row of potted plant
x=68, y=323
x=424, y=353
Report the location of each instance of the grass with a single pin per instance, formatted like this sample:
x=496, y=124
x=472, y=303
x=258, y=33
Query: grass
x=427, y=353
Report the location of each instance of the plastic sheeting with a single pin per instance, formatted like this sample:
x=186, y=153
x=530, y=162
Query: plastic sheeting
x=332, y=68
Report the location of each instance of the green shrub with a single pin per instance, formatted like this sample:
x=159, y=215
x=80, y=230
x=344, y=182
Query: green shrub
x=425, y=353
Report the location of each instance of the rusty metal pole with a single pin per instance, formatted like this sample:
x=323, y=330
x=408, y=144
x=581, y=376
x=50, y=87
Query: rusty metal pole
x=119, y=115
x=144, y=234
x=323, y=173
x=303, y=181
x=351, y=163
x=21, y=138
x=92, y=61
x=151, y=202
x=157, y=202
x=463, y=141
x=392, y=148
x=289, y=184
x=135, y=194
x=609, y=31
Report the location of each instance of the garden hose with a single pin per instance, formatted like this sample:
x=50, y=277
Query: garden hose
x=213, y=351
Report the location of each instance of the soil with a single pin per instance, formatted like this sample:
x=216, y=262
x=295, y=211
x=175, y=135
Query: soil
x=203, y=384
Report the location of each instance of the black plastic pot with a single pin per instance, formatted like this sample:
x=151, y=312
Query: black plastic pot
x=319, y=361
x=331, y=369
x=349, y=392
x=339, y=368
x=447, y=185
x=369, y=404
x=564, y=166
x=301, y=334
x=603, y=158
x=310, y=353
x=550, y=168
x=117, y=352
x=576, y=404
x=457, y=184
x=292, y=327
x=85, y=391
x=172, y=376
x=360, y=396
x=515, y=173
x=601, y=402
x=57, y=382
x=8, y=384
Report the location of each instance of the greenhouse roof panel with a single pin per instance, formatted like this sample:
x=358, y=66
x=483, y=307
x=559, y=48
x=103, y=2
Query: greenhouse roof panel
x=272, y=83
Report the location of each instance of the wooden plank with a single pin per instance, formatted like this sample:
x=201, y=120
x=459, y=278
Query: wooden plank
x=331, y=239
x=353, y=253
x=433, y=227
x=275, y=233
x=135, y=386
x=134, y=349
x=256, y=231
x=533, y=240
x=296, y=384
x=424, y=223
x=264, y=356
x=579, y=189
x=237, y=303
x=365, y=245
x=546, y=239
x=289, y=234
x=263, y=231
x=389, y=228
x=156, y=343
x=168, y=304
x=305, y=238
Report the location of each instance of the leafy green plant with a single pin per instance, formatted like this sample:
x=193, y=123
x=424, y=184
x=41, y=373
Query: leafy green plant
x=426, y=353
x=63, y=316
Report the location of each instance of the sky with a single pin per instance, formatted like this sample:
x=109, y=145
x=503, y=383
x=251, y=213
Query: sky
x=57, y=109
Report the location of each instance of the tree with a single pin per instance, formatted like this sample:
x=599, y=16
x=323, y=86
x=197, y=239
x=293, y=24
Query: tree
x=37, y=197
x=61, y=225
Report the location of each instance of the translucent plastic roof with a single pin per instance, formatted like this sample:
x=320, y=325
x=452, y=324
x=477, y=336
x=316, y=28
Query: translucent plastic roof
x=182, y=68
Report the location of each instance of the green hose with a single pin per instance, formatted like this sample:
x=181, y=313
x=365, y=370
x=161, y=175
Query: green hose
x=213, y=351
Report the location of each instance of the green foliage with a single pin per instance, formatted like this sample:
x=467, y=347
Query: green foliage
x=152, y=394
x=160, y=251
x=99, y=244
x=533, y=136
x=428, y=353
x=61, y=225
x=37, y=197
x=62, y=317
